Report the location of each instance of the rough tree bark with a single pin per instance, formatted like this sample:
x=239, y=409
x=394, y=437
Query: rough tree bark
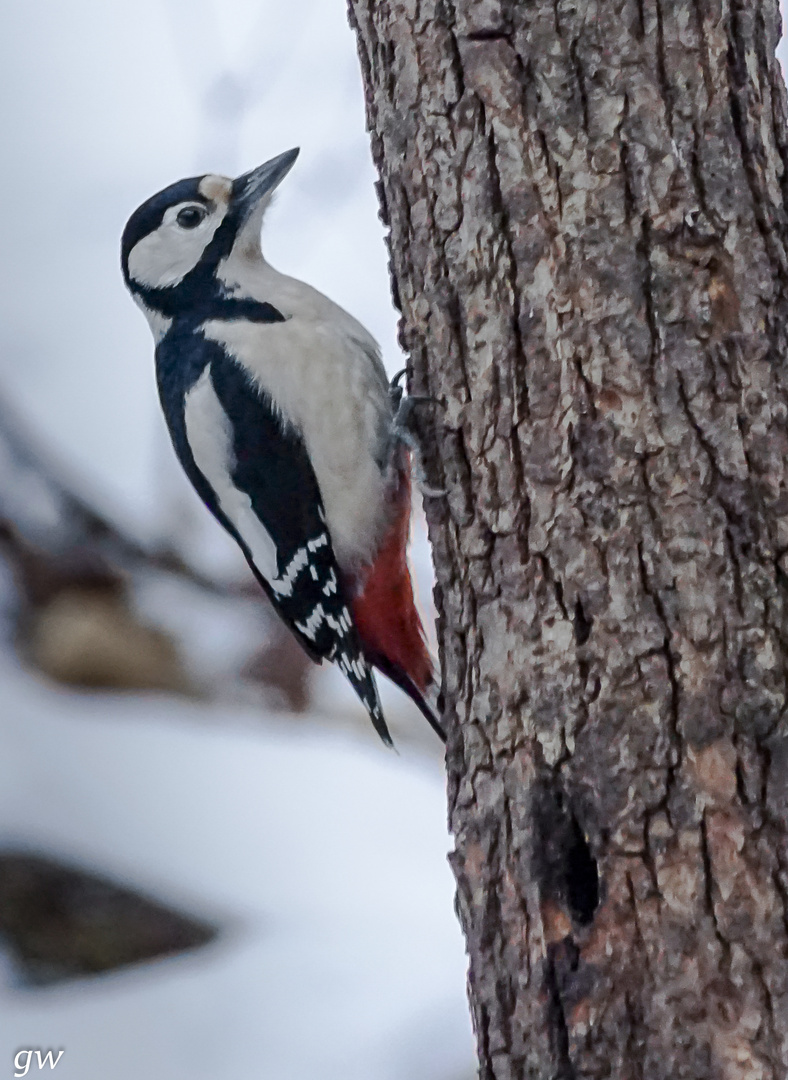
x=587, y=205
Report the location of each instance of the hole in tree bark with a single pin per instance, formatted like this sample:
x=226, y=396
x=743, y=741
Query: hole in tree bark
x=582, y=877
x=564, y=865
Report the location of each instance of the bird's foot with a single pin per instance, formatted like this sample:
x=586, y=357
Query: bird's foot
x=405, y=431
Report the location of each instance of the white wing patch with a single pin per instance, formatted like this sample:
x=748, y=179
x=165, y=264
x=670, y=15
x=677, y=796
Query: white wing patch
x=283, y=584
x=330, y=586
x=318, y=616
x=209, y=434
x=351, y=665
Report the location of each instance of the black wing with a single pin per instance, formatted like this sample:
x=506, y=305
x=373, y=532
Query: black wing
x=269, y=463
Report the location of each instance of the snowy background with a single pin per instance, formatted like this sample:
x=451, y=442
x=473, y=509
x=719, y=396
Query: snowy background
x=319, y=855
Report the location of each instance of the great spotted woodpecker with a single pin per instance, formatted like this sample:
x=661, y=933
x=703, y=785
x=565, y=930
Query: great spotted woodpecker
x=281, y=414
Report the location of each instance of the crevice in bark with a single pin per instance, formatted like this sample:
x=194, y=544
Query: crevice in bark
x=587, y=385
x=696, y=172
x=500, y=208
x=648, y=861
x=764, y=757
x=582, y=624
x=644, y=247
x=673, y=679
x=665, y=85
x=735, y=568
x=696, y=428
x=780, y=879
x=641, y=21
x=703, y=49
x=630, y=204
x=634, y=1042
x=751, y=155
x=766, y=999
x=640, y=937
x=556, y=1017
x=581, y=81
x=741, y=787
x=554, y=583
x=708, y=883
x=486, y=34
x=482, y=1030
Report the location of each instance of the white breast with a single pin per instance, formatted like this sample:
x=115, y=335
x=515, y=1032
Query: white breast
x=324, y=372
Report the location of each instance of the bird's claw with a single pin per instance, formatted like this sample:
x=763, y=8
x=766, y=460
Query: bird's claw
x=431, y=492
x=407, y=438
x=397, y=393
x=404, y=431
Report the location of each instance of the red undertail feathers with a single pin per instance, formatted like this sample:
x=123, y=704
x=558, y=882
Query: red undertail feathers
x=385, y=614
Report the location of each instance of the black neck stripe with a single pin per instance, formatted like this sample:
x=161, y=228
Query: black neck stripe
x=170, y=304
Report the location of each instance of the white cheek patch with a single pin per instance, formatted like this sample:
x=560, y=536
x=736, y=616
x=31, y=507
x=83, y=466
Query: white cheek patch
x=209, y=434
x=165, y=257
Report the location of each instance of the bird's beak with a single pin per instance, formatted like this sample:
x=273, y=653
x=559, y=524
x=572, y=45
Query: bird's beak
x=251, y=187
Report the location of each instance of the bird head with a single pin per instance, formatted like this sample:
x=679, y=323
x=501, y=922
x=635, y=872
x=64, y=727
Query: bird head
x=176, y=242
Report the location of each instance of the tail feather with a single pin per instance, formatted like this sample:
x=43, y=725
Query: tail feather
x=386, y=617
x=419, y=697
x=358, y=672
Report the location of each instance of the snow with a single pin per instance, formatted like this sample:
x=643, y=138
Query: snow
x=321, y=856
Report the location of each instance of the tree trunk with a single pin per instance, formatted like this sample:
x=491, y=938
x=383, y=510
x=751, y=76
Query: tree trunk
x=587, y=206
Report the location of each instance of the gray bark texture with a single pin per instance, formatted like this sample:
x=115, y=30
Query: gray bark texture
x=587, y=204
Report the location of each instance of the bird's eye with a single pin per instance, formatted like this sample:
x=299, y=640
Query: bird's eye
x=190, y=217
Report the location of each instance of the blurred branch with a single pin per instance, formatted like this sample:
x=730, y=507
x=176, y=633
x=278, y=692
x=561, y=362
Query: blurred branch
x=76, y=620
x=40, y=509
x=63, y=922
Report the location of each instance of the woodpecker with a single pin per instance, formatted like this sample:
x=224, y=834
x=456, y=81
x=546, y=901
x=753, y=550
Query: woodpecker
x=281, y=414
